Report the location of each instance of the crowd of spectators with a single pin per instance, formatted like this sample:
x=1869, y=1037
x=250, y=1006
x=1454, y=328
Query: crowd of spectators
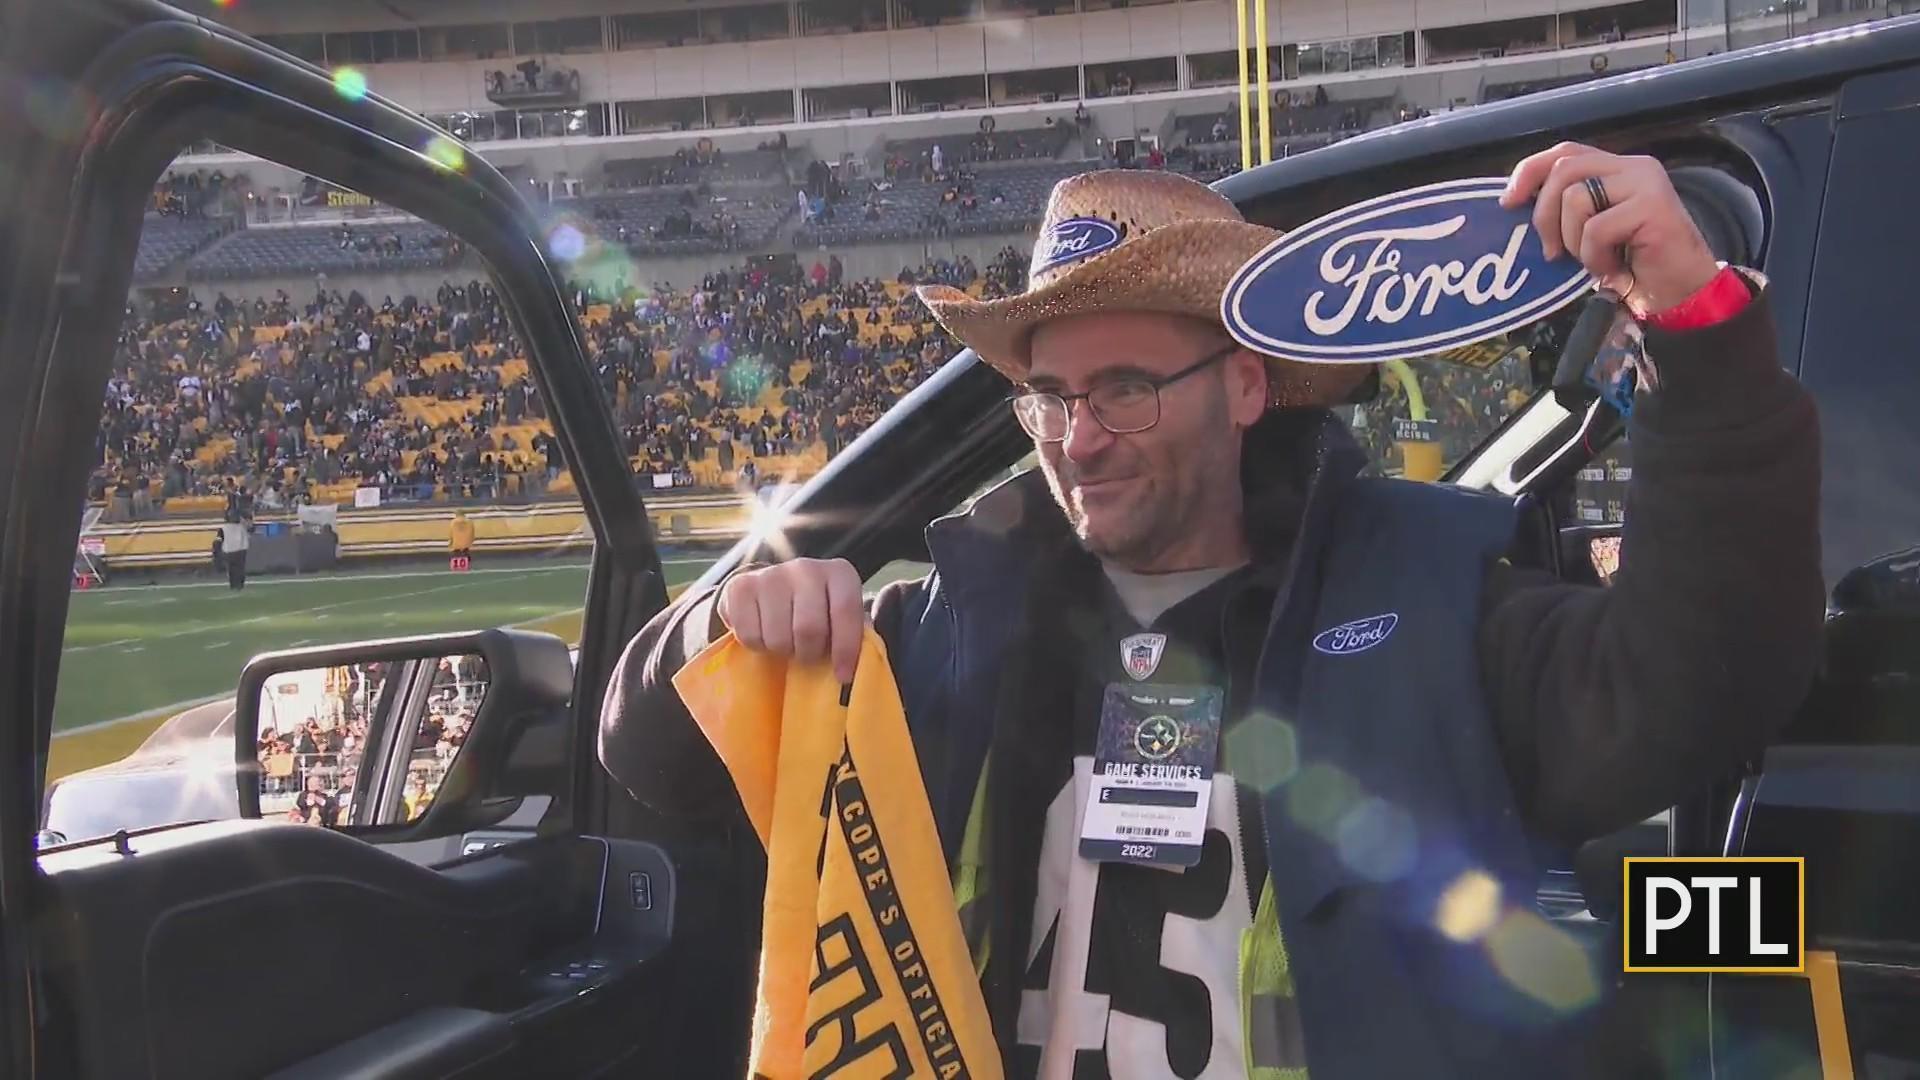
x=274, y=400
x=1467, y=404
x=271, y=400
x=746, y=333
x=188, y=194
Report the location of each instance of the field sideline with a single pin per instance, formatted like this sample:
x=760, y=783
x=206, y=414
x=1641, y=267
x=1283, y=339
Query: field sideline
x=138, y=654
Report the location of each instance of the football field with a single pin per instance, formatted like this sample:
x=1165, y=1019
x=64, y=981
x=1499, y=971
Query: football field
x=137, y=654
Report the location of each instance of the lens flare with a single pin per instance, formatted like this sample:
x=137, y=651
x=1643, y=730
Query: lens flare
x=350, y=83
x=59, y=109
x=566, y=243
x=447, y=154
x=1260, y=751
x=1320, y=796
x=1543, y=962
x=1469, y=907
x=1376, y=839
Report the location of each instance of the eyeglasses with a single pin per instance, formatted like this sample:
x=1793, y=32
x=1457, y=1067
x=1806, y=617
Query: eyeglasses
x=1124, y=406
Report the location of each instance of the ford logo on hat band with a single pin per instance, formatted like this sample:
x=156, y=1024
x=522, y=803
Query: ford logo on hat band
x=1074, y=239
x=1399, y=276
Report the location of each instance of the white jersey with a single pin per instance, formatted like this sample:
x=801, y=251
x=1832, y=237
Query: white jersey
x=1067, y=1016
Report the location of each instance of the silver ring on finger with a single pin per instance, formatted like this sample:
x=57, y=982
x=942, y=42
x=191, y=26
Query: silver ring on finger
x=1597, y=192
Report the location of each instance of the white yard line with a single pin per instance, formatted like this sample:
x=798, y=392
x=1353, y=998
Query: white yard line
x=282, y=582
x=321, y=610
x=102, y=645
x=158, y=710
x=181, y=706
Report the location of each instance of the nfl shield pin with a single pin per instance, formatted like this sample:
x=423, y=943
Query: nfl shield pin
x=1140, y=654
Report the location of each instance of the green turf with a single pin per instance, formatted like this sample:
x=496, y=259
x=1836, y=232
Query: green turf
x=131, y=649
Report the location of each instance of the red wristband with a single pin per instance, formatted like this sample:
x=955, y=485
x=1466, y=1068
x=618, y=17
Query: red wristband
x=1715, y=302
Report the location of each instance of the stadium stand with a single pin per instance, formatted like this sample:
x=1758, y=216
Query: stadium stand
x=165, y=240
x=685, y=220
x=991, y=200
x=1024, y=144
x=267, y=404
x=695, y=165
x=1307, y=118
x=342, y=248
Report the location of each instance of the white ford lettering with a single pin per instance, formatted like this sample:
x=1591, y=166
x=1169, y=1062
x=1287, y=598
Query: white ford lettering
x=1491, y=277
x=1076, y=238
x=1350, y=638
x=1657, y=923
x=1356, y=636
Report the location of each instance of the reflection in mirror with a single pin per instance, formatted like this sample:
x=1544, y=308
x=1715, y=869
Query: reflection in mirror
x=1605, y=553
x=459, y=685
x=337, y=749
x=313, y=735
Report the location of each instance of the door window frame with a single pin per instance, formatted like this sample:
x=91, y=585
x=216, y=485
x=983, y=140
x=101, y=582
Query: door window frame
x=155, y=89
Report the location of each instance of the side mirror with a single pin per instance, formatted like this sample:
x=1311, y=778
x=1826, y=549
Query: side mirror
x=409, y=734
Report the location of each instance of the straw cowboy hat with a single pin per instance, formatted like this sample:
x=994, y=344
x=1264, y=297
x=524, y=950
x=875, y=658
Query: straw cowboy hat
x=1129, y=240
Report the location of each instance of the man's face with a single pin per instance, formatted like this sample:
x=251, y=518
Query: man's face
x=1161, y=499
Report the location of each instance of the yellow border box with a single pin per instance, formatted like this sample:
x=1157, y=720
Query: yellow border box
x=1626, y=902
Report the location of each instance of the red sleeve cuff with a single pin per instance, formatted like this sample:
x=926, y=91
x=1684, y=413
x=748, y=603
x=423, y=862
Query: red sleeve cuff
x=1715, y=302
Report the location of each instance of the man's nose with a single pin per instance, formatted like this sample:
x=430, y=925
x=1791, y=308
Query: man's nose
x=1085, y=435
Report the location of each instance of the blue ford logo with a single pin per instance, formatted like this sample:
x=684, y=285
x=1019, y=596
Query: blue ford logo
x=1400, y=276
x=1356, y=636
x=1075, y=239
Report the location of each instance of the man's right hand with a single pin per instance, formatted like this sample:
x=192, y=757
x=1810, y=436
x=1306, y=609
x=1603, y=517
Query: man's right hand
x=808, y=609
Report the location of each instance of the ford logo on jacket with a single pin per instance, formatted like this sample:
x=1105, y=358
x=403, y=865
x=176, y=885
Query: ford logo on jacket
x=1403, y=275
x=1356, y=636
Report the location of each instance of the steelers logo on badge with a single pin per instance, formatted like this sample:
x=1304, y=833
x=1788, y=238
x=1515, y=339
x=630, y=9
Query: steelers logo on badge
x=1157, y=738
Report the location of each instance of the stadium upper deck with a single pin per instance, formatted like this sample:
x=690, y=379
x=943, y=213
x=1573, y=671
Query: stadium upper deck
x=568, y=88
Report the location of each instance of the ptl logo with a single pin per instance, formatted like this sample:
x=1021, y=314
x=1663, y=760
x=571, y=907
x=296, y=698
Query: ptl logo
x=1730, y=915
x=1356, y=636
x=1400, y=276
x=1075, y=239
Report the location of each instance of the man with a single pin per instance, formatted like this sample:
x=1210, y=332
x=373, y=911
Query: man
x=315, y=806
x=234, y=541
x=460, y=540
x=1409, y=715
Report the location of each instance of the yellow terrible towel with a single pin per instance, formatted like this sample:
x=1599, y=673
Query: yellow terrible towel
x=863, y=968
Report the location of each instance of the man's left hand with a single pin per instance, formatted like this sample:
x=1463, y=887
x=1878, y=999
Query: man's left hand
x=1667, y=260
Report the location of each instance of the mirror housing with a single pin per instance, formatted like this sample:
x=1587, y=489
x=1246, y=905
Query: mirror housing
x=529, y=674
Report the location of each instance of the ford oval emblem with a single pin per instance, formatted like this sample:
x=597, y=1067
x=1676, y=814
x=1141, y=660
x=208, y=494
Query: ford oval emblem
x=1075, y=239
x=1356, y=636
x=1397, y=277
